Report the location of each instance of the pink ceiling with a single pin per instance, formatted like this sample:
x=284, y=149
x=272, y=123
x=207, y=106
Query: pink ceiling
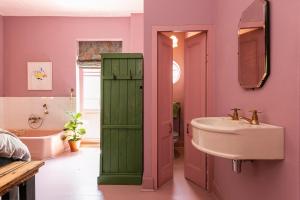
x=87, y=8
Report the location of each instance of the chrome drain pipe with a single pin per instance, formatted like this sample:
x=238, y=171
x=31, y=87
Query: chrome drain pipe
x=237, y=166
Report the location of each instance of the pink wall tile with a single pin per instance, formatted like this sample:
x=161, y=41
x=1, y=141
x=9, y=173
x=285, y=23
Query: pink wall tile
x=54, y=39
x=278, y=100
x=164, y=13
x=1, y=57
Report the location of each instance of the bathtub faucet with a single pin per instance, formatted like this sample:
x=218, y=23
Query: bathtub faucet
x=34, y=119
x=46, y=112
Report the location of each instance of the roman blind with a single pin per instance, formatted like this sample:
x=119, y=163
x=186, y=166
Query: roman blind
x=90, y=51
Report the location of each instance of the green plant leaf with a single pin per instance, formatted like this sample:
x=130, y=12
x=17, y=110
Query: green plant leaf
x=77, y=115
x=74, y=130
x=81, y=131
x=67, y=125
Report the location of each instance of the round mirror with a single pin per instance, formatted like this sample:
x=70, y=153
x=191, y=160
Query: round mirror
x=176, y=72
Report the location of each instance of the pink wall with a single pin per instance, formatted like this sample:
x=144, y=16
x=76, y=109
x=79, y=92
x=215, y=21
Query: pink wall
x=1, y=58
x=55, y=39
x=278, y=100
x=164, y=13
x=137, y=32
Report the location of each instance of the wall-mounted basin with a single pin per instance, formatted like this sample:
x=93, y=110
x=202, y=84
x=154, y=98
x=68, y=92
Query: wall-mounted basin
x=238, y=140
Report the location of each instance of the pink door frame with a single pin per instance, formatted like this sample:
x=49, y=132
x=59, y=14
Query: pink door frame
x=210, y=85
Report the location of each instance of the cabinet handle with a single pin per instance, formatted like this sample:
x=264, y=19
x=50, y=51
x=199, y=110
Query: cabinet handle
x=188, y=128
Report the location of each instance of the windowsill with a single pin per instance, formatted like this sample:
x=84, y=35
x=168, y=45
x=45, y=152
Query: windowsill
x=90, y=141
x=90, y=111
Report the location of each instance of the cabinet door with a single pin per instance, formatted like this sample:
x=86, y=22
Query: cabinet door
x=121, y=140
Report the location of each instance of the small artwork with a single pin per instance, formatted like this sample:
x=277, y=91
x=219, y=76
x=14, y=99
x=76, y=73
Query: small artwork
x=39, y=75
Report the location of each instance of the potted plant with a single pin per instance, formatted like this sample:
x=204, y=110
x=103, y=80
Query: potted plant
x=74, y=131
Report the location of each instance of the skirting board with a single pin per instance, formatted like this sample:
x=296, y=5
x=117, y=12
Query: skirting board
x=148, y=184
x=125, y=179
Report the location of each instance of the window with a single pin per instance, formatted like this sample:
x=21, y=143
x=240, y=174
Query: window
x=176, y=72
x=90, y=89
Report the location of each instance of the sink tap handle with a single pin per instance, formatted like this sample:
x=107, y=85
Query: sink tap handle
x=254, y=111
x=235, y=115
x=254, y=118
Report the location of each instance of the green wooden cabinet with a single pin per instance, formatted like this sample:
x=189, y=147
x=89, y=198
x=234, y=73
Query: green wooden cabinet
x=121, y=159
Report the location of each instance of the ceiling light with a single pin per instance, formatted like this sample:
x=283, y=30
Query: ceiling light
x=175, y=41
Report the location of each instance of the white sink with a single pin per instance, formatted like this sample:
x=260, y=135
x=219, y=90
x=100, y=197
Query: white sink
x=238, y=140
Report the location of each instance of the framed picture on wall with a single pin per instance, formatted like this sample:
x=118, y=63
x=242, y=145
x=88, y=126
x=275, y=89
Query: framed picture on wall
x=39, y=75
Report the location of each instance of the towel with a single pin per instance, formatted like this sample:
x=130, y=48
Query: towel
x=12, y=147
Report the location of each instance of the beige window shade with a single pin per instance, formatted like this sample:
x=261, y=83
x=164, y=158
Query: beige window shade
x=90, y=51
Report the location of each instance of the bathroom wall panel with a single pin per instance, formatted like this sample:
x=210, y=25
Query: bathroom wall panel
x=16, y=111
x=137, y=34
x=278, y=100
x=55, y=39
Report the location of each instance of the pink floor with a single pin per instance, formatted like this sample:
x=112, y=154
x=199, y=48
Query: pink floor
x=73, y=176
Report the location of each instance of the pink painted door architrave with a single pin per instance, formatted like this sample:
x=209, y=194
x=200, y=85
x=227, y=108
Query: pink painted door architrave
x=164, y=109
x=195, y=94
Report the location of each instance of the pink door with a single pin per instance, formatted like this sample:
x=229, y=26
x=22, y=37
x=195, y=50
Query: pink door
x=164, y=109
x=194, y=105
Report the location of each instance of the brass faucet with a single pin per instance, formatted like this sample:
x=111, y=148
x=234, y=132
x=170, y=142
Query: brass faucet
x=46, y=112
x=34, y=119
x=254, y=118
x=235, y=115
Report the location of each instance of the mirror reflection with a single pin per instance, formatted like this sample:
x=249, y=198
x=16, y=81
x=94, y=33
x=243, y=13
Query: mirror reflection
x=253, y=40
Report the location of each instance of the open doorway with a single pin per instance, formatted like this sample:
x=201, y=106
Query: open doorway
x=89, y=101
x=182, y=62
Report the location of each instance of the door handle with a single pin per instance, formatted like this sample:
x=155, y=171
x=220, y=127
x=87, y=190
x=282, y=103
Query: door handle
x=187, y=128
x=170, y=128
